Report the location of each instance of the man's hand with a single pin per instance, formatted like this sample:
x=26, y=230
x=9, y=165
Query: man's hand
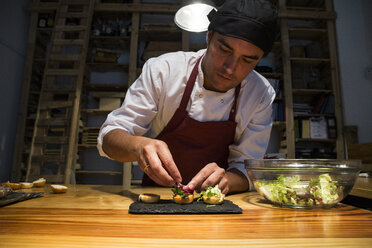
x=157, y=162
x=153, y=155
x=210, y=175
x=232, y=181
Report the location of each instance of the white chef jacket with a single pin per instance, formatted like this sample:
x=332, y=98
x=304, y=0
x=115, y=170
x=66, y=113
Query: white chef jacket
x=154, y=97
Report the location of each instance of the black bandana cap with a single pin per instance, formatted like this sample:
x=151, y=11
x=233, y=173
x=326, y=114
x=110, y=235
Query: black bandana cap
x=250, y=20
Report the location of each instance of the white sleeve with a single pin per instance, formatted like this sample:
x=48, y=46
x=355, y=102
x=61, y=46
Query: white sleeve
x=254, y=140
x=138, y=109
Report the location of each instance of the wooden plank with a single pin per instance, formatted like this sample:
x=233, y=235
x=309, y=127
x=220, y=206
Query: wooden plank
x=61, y=72
x=66, y=42
x=287, y=78
x=75, y=2
x=53, y=122
x=51, y=139
x=74, y=15
x=107, y=67
x=137, y=7
x=43, y=7
x=306, y=14
x=24, y=98
x=307, y=33
x=65, y=57
x=73, y=139
x=127, y=174
x=335, y=76
x=49, y=158
x=69, y=28
x=56, y=104
x=96, y=111
x=108, y=94
x=133, y=48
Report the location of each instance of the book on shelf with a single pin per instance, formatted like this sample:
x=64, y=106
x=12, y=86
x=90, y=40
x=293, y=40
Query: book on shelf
x=302, y=108
x=305, y=129
x=318, y=128
x=324, y=105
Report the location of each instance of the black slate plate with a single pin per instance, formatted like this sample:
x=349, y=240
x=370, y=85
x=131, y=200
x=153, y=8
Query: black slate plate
x=18, y=196
x=169, y=207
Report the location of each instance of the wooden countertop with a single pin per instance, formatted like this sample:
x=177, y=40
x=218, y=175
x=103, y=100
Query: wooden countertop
x=97, y=216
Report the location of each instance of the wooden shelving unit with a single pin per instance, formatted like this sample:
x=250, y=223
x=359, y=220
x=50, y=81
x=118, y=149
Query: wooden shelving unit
x=307, y=30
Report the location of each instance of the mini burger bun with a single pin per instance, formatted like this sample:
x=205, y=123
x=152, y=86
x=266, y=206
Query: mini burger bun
x=25, y=185
x=14, y=186
x=213, y=200
x=58, y=188
x=149, y=198
x=39, y=182
x=183, y=200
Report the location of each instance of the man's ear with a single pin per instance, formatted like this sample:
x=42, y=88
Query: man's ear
x=209, y=36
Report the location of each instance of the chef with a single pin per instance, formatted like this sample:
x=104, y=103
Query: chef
x=194, y=117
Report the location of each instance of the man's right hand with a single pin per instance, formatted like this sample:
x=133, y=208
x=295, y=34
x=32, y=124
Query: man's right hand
x=152, y=155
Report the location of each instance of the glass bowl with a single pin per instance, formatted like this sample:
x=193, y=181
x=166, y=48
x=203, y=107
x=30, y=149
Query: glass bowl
x=303, y=183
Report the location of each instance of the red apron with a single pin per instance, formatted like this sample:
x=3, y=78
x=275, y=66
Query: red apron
x=194, y=144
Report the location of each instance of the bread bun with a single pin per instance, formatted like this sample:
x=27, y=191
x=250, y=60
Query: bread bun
x=25, y=185
x=12, y=185
x=39, y=182
x=183, y=200
x=58, y=188
x=149, y=198
x=213, y=200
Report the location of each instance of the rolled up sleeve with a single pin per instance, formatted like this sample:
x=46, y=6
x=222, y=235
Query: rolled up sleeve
x=137, y=111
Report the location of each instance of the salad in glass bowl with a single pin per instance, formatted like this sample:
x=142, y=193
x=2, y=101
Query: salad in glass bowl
x=299, y=183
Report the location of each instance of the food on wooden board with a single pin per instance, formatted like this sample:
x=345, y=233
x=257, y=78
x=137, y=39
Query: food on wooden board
x=212, y=195
x=182, y=195
x=56, y=188
x=25, y=185
x=149, y=198
x=39, y=182
x=14, y=186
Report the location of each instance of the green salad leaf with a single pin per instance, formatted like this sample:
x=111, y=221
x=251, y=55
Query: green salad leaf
x=290, y=190
x=211, y=191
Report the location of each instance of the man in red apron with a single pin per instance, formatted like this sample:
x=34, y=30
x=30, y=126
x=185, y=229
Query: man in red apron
x=195, y=151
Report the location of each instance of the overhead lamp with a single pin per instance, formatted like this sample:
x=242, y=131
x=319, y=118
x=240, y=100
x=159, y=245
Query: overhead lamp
x=192, y=16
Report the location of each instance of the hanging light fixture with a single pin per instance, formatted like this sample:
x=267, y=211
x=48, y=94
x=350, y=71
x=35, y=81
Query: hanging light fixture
x=192, y=16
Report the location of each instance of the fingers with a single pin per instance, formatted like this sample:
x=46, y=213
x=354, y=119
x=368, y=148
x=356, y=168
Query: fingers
x=147, y=169
x=210, y=175
x=157, y=162
x=168, y=163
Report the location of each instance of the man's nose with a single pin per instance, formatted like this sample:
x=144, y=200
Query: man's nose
x=230, y=64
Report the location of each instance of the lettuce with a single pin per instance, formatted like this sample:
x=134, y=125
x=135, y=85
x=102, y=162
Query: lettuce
x=291, y=191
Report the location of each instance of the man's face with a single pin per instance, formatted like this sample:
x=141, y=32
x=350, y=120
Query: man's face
x=228, y=61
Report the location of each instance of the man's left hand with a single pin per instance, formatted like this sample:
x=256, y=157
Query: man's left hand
x=210, y=175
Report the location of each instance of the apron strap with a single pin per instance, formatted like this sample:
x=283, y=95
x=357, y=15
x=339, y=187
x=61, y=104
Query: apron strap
x=233, y=109
x=189, y=86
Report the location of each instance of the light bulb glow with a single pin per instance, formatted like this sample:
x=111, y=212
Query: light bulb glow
x=193, y=17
